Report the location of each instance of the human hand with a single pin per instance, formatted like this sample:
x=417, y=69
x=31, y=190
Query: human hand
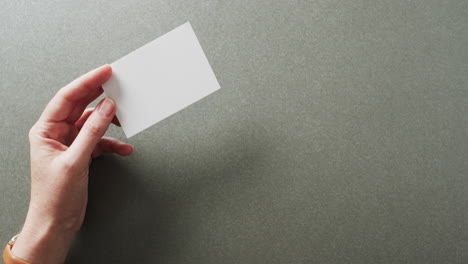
x=63, y=142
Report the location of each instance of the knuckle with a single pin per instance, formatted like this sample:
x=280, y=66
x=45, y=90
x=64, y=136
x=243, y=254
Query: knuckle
x=93, y=129
x=32, y=134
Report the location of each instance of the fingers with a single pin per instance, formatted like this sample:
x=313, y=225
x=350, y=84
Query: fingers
x=79, y=124
x=69, y=103
x=109, y=145
x=93, y=129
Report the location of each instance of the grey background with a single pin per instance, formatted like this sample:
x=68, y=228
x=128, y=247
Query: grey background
x=339, y=135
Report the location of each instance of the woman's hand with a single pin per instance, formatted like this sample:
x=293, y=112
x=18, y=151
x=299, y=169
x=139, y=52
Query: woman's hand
x=63, y=141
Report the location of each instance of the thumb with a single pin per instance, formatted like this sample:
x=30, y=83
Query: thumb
x=93, y=129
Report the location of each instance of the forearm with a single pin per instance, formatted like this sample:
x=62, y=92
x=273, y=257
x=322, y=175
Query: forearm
x=42, y=241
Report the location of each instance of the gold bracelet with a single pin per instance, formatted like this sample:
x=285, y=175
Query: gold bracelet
x=8, y=257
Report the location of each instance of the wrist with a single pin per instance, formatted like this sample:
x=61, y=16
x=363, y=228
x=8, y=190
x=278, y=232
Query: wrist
x=42, y=241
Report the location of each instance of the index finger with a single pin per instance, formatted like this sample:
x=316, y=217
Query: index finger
x=70, y=101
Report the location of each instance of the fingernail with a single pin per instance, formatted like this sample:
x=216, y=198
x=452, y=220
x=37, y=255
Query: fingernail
x=106, y=107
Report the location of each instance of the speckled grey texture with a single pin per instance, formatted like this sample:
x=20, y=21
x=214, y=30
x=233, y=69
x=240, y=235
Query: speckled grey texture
x=340, y=134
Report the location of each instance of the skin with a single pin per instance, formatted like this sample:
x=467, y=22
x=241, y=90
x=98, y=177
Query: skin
x=63, y=142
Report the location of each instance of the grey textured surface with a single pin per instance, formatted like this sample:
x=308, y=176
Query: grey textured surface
x=340, y=134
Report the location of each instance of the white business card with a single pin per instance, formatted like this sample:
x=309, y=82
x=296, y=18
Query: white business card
x=159, y=79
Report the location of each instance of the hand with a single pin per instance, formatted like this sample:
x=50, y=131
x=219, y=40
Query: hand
x=63, y=142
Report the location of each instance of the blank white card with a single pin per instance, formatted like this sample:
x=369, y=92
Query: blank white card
x=159, y=79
